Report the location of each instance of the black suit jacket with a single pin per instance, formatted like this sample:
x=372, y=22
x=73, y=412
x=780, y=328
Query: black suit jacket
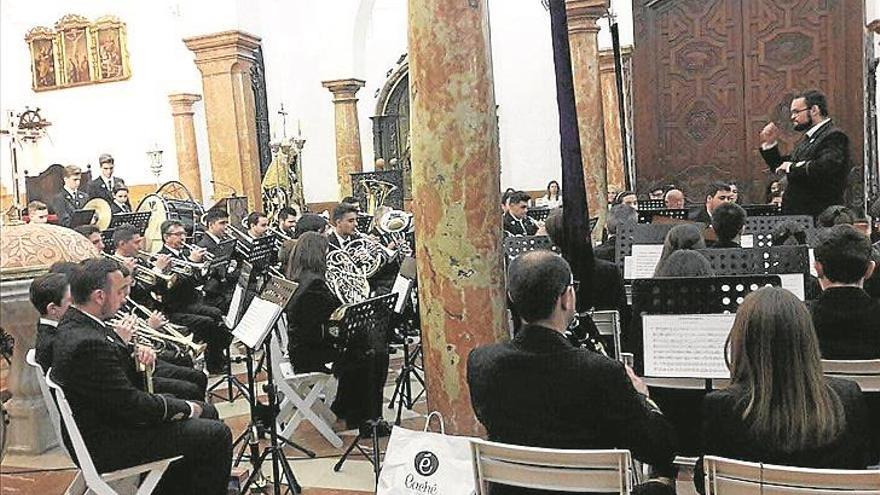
x=44, y=344
x=539, y=390
x=308, y=312
x=847, y=323
x=333, y=241
x=115, y=208
x=185, y=292
x=516, y=227
x=726, y=434
x=64, y=204
x=820, y=182
x=700, y=214
x=97, y=188
x=86, y=363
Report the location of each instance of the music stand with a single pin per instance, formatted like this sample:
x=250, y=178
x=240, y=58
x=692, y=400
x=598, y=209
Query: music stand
x=233, y=314
x=363, y=327
x=517, y=245
x=259, y=252
x=255, y=330
x=137, y=219
x=762, y=210
x=81, y=217
x=404, y=287
x=649, y=216
x=651, y=204
x=540, y=214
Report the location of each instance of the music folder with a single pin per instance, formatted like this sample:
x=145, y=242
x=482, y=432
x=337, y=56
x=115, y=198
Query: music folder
x=81, y=217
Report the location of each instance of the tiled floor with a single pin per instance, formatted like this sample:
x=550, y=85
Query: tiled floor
x=51, y=472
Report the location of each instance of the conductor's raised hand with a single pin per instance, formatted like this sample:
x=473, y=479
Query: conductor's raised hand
x=769, y=134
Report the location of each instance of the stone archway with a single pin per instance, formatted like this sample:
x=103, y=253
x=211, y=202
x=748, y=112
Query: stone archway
x=391, y=123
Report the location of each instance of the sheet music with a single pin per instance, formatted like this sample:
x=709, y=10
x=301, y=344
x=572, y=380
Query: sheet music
x=401, y=288
x=794, y=282
x=643, y=261
x=747, y=240
x=813, y=263
x=686, y=346
x=234, y=306
x=256, y=322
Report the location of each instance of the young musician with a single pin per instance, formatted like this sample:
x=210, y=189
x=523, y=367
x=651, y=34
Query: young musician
x=516, y=219
x=37, y=212
x=104, y=186
x=120, y=202
x=344, y=221
x=70, y=198
x=50, y=295
x=258, y=224
x=287, y=218
x=183, y=303
x=220, y=283
x=128, y=243
x=92, y=233
x=122, y=425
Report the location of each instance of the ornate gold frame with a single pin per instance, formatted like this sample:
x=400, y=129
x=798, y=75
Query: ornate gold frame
x=105, y=52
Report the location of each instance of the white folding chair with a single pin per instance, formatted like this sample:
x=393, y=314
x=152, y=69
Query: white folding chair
x=89, y=476
x=303, y=398
x=866, y=373
x=583, y=471
x=731, y=477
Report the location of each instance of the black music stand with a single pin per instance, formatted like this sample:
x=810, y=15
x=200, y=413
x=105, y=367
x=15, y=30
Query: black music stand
x=651, y=204
x=138, y=220
x=259, y=252
x=762, y=227
x=402, y=395
x=233, y=315
x=363, y=327
x=516, y=245
x=363, y=223
x=539, y=214
x=255, y=330
x=649, y=216
x=762, y=210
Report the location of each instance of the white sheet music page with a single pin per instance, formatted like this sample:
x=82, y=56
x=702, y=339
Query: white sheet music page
x=401, y=288
x=256, y=322
x=234, y=306
x=747, y=241
x=794, y=283
x=686, y=346
x=643, y=261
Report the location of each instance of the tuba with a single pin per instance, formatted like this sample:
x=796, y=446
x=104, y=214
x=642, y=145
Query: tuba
x=394, y=226
x=377, y=191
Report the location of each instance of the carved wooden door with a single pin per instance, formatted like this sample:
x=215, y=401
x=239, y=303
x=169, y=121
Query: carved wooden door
x=708, y=74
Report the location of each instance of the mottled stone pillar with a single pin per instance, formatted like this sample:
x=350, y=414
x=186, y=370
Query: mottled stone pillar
x=456, y=192
x=348, y=134
x=225, y=60
x=614, y=169
x=583, y=38
x=185, y=141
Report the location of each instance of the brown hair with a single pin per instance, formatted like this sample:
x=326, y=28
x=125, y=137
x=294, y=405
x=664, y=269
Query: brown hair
x=72, y=170
x=773, y=356
x=308, y=258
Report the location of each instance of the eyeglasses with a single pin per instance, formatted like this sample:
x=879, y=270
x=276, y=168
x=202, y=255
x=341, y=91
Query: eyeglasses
x=795, y=112
x=176, y=233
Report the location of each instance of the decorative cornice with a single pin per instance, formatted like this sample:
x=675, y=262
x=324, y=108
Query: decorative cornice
x=344, y=89
x=583, y=14
x=182, y=103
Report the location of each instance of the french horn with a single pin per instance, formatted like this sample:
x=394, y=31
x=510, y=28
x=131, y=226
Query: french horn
x=345, y=278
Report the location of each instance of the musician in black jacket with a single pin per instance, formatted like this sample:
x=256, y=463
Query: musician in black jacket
x=344, y=222
x=818, y=166
x=50, y=295
x=220, y=282
x=183, y=303
x=70, y=198
x=121, y=424
x=539, y=390
x=105, y=185
x=120, y=203
x=516, y=219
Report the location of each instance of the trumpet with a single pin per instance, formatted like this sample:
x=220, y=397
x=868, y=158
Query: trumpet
x=160, y=341
x=168, y=327
x=140, y=340
x=143, y=274
x=207, y=256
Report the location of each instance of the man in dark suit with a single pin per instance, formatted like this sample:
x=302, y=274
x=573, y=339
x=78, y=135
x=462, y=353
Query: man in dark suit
x=220, y=282
x=717, y=194
x=70, y=198
x=516, y=220
x=344, y=220
x=121, y=424
x=183, y=304
x=120, y=202
x=539, y=390
x=104, y=185
x=846, y=318
x=728, y=220
x=50, y=295
x=619, y=214
x=818, y=166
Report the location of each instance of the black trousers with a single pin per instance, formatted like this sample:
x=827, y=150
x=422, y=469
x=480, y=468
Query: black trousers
x=362, y=378
x=206, y=322
x=183, y=383
x=205, y=444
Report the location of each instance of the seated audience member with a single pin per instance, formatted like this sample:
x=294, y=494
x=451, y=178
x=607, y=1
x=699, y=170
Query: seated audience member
x=684, y=236
x=50, y=295
x=727, y=223
x=775, y=199
x=774, y=189
x=717, y=193
x=779, y=407
x=553, y=198
x=607, y=290
x=620, y=214
x=846, y=318
x=685, y=263
x=516, y=220
x=37, y=212
x=93, y=234
x=121, y=424
x=674, y=199
x=310, y=307
x=537, y=389
x=836, y=215
x=628, y=198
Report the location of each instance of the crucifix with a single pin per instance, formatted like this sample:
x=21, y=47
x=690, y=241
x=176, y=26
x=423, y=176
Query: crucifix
x=283, y=114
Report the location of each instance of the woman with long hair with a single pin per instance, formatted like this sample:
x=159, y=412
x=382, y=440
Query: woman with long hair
x=779, y=407
x=553, y=198
x=310, y=306
x=684, y=236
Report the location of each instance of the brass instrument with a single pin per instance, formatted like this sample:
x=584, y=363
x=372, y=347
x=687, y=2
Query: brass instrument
x=144, y=275
x=345, y=278
x=177, y=266
x=141, y=341
x=161, y=341
x=170, y=328
x=377, y=192
x=207, y=256
x=393, y=226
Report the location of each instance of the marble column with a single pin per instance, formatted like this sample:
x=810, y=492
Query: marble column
x=456, y=192
x=225, y=60
x=583, y=39
x=611, y=114
x=185, y=141
x=348, y=134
